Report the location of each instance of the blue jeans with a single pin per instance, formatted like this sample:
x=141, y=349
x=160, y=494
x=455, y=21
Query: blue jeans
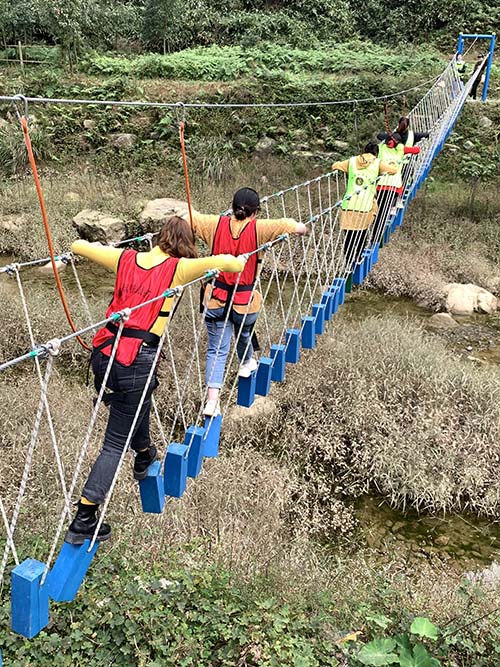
x=130, y=382
x=219, y=342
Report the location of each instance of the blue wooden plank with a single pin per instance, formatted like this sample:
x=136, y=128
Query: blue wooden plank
x=246, y=390
x=292, y=354
x=319, y=316
x=69, y=570
x=375, y=253
x=340, y=284
x=327, y=299
x=29, y=600
x=263, y=380
x=308, y=332
x=366, y=263
x=194, y=442
x=357, y=276
x=212, y=436
x=152, y=490
x=278, y=357
x=175, y=470
x=387, y=234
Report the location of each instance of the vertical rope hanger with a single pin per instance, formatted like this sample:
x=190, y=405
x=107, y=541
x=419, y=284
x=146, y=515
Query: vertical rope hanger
x=23, y=119
x=182, y=140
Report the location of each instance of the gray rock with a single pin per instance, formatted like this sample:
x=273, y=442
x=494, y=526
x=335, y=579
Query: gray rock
x=468, y=145
x=3, y=123
x=123, y=140
x=98, y=226
x=157, y=210
x=443, y=321
x=341, y=145
x=89, y=124
x=485, y=122
x=467, y=299
x=265, y=146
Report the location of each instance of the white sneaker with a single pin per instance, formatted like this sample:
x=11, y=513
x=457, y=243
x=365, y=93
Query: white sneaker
x=248, y=368
x=212, y=408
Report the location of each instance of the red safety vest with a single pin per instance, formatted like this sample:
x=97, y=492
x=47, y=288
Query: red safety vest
x=225, y=243
x=135, y=285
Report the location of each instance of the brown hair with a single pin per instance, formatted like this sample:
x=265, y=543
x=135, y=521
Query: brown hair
x=177, y=238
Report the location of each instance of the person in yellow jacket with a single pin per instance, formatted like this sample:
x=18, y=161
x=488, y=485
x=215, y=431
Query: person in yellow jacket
x=140, y=277
x=359, y=205
x=240, y=232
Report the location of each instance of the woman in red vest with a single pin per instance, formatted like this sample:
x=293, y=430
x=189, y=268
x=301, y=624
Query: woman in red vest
x=140, y=276
x=238, y=234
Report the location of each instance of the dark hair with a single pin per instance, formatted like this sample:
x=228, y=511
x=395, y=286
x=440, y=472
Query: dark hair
x=404, y=123
x=395, y=136
x=371, y=147
x=177, y=238
x=246, y=202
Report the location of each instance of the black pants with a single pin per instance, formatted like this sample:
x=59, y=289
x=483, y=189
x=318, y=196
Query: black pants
x=386, y=199
x=354, y=244
x=130, y=380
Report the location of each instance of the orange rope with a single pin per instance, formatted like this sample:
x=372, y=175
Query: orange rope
x=185, y=166
x=27, y=140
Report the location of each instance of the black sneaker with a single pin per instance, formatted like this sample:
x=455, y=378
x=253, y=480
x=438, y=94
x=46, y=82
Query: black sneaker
x=142, y=462
x=84, y=524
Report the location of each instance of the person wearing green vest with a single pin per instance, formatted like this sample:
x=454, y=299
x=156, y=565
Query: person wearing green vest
x=460, y=66
x=392, y=151
x=359, y=206
x=408, y=136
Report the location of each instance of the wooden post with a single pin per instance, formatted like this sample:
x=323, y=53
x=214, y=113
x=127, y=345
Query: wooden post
x=21, y=61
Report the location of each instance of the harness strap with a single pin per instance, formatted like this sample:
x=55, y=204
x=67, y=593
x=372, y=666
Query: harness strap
x=231, y=288
x=149, y=338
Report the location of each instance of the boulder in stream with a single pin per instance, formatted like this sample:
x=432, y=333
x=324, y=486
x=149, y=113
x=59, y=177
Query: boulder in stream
x=468, y=299
x=98, y=226
x=157, y=210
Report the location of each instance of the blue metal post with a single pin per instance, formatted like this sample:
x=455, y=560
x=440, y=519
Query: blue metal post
x=488, y=67
x=460, y=46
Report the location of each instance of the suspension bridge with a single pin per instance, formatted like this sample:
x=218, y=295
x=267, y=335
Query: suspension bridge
x=303, y=282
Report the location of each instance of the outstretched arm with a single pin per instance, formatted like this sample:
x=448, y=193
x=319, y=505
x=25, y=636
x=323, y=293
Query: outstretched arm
x=191, y=269
x=104, y=255
x=341, y=166
x=268, y=230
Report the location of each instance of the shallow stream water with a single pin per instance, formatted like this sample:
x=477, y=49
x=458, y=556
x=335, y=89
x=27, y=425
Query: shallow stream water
x=464, y=542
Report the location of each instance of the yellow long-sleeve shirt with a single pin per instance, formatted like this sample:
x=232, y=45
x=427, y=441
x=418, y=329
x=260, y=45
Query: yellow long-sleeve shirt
x=187, y=269
x=205, y=225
